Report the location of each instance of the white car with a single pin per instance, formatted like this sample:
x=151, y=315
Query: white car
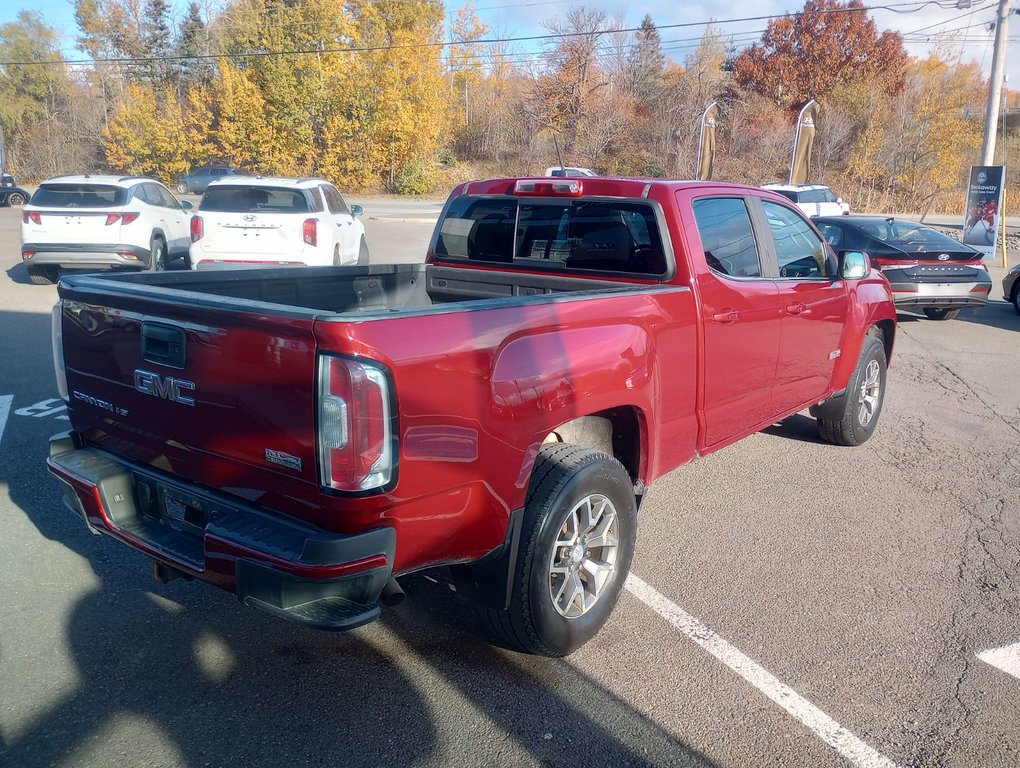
x=813, y=199
x=569, y=171
x=251, y=221
x=101, y=222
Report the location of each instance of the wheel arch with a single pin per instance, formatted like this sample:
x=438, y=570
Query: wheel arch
x=618, y=432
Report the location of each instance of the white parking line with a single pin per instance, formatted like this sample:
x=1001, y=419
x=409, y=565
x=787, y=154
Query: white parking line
x=5, y=411
x=1006, y=658
x=823, y=726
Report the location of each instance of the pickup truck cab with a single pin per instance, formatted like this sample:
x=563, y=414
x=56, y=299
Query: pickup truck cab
x=301, y=437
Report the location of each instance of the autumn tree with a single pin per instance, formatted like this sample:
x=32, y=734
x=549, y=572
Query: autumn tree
x=827, y=45
x=466, y=60
x=191, y=48
x=645, y=63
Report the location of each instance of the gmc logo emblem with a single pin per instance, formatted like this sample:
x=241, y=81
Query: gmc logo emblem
x=149, y=383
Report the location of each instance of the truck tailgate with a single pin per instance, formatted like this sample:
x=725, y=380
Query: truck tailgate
x=220, y=397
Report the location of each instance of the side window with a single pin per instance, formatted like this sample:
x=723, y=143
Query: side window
x=833, y=234
x=799, y=250
x=167, y=198
x=314, y=200
x=334, y=201
x=150, y=195
x=727, y=237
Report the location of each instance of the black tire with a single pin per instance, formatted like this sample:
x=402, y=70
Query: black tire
x=363, y=253
x=15, y=199
x=940, y=313
x=567, y=478
x=1015, y=297
x=182, y=188
x=157, y=254
x=42, y=275
x=862, y=404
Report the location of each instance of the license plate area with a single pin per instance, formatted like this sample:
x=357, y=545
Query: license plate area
x=183, y=511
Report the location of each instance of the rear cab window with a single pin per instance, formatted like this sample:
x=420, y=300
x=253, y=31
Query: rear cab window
x=79, y=196
x=583, y=235
x=242, y=199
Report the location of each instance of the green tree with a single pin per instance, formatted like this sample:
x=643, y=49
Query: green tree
x=645, y=63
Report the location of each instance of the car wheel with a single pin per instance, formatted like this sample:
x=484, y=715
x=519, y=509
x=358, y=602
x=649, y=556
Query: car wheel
x=862, y=404
x=363, y=253
x=940, y=313
x=577, y=541
x=15, y=199
x=182, y=188
x=337, y=260
x=157, y=255
x=1015, y=298
x=42, y=275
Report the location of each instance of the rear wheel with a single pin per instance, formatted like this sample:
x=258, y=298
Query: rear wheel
x=1015, y=298
x=15, y=199
x=577, y=541
x=157, y=255
x=182, y=188
x=363, y=253
x=941, y=313
x=42, y=275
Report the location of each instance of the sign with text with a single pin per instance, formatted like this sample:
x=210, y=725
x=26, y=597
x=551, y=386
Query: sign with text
x=984, y=202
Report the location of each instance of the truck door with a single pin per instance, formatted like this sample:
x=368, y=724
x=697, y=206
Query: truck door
x=741, y=319
x=813, y=302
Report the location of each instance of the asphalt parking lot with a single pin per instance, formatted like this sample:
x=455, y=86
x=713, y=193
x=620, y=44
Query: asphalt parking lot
x=793, y=603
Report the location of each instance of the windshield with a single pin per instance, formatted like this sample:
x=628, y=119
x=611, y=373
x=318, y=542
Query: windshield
x=79, y=196
x=244, y=199
x=908, y=236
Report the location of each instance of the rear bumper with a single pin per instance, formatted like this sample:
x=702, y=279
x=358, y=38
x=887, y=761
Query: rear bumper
x=298, y=572
x=84, y=255
x=957, y=294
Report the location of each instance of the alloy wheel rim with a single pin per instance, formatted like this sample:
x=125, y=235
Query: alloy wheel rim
x=870, y=390
x=583, y=557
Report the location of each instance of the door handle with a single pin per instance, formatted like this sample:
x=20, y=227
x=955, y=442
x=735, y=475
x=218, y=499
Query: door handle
x=726, y=317
x=795, y=309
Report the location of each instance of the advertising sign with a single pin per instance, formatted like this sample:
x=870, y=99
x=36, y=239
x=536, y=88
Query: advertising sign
x=984, y=201
x=706, y=144
x=803, y=142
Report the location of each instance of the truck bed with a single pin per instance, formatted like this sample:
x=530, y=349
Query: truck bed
x=386, y=288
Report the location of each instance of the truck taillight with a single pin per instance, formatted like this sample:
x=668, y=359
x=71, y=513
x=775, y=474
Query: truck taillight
x=31, y=216
x=562, y=188
x=57, y=337
x=310, y=231
x=355, y=430
x=197, y=229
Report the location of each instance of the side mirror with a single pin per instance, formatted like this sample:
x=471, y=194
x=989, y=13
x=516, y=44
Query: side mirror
x=853, y=265
x=186, y=205
x=357, y=210
x=839, y=200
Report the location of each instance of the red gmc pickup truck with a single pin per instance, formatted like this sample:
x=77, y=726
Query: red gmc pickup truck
x=302, y=436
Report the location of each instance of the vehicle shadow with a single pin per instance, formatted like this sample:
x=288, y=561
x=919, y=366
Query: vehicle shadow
x=800, y=427
x=19, y=274
x=996, y=314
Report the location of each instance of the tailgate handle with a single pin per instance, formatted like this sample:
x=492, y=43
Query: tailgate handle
x=163, y=344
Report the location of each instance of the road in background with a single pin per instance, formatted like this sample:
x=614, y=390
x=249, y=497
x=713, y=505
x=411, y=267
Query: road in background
x=864, y=581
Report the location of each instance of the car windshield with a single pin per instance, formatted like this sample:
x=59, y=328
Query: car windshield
x=245, y=199
x=79, y=196
x=909, y=236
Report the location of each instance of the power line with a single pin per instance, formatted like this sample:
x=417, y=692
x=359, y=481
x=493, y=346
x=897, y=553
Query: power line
x=916, y=6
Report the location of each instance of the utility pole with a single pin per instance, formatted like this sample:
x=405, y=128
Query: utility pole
x=995, y=83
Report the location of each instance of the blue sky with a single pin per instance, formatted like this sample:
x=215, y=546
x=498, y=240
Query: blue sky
x=962, y=35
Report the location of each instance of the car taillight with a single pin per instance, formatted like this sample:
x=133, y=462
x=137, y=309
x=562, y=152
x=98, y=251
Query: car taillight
x=885, y=264
x=124, y=218
x=197, y=229
x=310, y=231
x=57, y=337
x=33, y=216
x=355, y=434
x=526, y=188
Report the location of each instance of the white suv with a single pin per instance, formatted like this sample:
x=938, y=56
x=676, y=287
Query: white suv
x=813, y=199
x=569, y=171
x=100, y=222
x=246, y=221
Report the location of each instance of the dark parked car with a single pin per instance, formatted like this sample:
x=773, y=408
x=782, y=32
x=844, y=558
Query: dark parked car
x=199, y=178
x=11, y=193
x=927, y=269
x=1011, y=287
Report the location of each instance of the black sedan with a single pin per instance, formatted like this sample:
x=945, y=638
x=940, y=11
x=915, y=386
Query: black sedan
x=12, y=195
x=926, y=269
